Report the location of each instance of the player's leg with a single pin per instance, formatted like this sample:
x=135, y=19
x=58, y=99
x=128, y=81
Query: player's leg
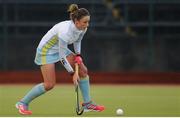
x=49, y=76
x=85, y=86
x=48, y=72
x=84, y=78
x=84, y=83
x=85, y=89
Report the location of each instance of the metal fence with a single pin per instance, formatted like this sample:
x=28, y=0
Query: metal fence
x=124, y=35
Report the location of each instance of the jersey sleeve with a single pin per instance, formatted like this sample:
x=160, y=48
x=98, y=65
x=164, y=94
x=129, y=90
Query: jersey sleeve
x=77, y=47
x=77, y=44
x=62, y=50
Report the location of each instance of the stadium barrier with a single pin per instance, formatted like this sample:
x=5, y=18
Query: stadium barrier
x=15, y=77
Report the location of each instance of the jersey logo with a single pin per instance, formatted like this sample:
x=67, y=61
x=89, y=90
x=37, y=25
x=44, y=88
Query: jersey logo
x=63, y=61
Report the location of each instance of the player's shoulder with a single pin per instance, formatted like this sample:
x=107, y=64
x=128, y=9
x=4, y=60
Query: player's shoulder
x=62, y=26
x=63, y=23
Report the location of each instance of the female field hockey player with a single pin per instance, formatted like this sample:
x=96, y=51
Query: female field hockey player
x=53, y=48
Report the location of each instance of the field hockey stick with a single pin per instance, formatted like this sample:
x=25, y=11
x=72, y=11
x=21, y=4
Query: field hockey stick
x=79, y=109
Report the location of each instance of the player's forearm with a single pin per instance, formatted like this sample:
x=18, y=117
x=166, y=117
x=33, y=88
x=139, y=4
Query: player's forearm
x=77, y=47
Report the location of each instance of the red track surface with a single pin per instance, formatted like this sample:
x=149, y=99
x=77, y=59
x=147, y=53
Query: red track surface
x=11, y=77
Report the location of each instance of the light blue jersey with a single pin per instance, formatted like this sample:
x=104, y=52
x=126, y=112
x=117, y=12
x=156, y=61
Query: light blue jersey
x=54, y=45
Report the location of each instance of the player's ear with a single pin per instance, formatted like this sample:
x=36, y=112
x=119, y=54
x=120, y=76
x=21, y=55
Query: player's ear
x=75, y=20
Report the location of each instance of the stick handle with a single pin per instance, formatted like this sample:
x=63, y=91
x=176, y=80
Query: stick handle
x=76, y=68
x=77, y=88
x=77, y=72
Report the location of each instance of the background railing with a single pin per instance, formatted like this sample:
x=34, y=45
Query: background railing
x=124, y=35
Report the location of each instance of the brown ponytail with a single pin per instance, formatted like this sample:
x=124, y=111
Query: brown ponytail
x=73, y=8
x=76, y=13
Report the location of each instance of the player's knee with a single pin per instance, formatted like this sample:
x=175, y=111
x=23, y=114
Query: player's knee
x=83, y=72
x=49, y=86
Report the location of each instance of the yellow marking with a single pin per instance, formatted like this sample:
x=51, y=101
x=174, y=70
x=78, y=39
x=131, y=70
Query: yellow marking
x=47, y=46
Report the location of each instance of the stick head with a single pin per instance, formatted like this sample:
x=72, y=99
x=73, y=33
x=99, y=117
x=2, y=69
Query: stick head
x=79, y=111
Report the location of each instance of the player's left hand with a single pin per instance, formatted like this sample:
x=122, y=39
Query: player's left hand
x=78, y=59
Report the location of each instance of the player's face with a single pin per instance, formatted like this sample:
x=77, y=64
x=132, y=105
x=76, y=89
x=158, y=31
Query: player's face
x=83, y=23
